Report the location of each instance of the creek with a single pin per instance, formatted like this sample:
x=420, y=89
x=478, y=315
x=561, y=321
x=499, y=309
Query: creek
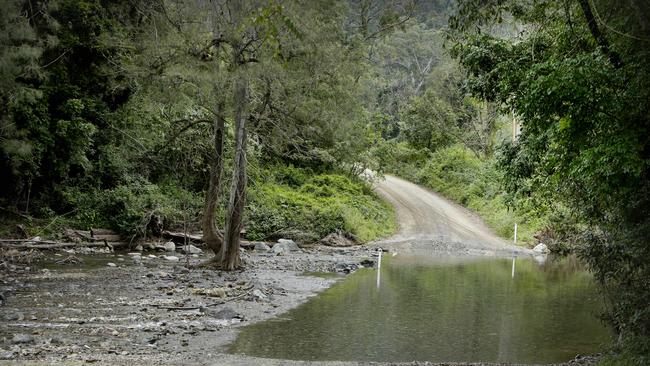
x=442, y=310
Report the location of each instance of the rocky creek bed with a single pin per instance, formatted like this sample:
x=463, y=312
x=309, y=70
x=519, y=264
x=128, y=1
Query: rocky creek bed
x=91, y=306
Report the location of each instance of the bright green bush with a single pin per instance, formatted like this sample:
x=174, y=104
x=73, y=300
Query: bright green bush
x=323, y=204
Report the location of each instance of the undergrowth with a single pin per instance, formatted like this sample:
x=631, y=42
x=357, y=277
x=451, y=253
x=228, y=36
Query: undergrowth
x=283, y=201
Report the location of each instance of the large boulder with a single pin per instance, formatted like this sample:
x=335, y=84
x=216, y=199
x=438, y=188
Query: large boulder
x=284, y=245
x=541, y=248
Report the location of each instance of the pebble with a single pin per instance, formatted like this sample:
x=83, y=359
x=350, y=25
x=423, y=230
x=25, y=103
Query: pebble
x=111, y=264
x=22, y=338
x=171, y=258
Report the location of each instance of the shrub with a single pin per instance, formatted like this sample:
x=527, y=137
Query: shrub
x=129, y=207
x=323, y=204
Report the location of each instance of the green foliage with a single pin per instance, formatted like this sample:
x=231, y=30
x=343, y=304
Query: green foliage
x=129, y=208
x=321, y=205
x=581, y=88
x=399, y=158
x=63, y=88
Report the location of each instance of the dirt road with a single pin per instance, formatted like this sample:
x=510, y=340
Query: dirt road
x=430, y=223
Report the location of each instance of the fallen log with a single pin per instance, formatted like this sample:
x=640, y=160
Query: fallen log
x=100, y=232
x=197, y=240
x=180, y=237
x=102, y=235
x=49, y=244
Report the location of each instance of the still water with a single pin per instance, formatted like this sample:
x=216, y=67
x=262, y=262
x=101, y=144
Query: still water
x=437, y=310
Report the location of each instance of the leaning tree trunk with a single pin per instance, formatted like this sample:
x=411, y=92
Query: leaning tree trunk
x=230, y=258
x=211, y=235
x=592, y=24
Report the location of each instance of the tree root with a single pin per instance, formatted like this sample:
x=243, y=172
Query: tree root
x=216, y=263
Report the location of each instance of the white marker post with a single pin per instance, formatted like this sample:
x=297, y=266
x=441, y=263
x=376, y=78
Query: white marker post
x=379, y=267
x=513, y=253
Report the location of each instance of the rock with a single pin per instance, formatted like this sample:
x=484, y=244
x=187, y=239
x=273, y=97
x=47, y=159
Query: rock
x=258, y=294
x=181, y=270
x=111, y=264
x=212, y=292
x=170, y=246
x=262, y=247
x=132, y=254
x=223, y=314
x=541, y=248
x=346, y=267
x=17, y=316
x=171, y=258
x=138, y=248
x=339, y=239
x=367, y=263
x=22, y=338
x=191, y=249
x=284, y=245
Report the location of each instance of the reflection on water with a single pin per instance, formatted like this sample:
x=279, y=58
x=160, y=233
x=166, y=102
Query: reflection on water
x=442, y=310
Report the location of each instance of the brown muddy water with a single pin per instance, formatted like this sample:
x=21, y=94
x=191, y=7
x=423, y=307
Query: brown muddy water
x=452, y=310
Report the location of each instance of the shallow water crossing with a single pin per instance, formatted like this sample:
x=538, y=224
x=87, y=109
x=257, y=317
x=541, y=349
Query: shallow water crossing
x=432, y=309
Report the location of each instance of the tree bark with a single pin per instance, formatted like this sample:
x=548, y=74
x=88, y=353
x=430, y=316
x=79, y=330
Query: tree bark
x=211, y=234
x=230, y=258
x=613, y=56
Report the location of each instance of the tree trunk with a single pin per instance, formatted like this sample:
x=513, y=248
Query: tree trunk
x=230, y=258
x=211, y=235
x=613, y=56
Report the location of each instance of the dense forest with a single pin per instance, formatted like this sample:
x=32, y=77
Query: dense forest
x=261, y=116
